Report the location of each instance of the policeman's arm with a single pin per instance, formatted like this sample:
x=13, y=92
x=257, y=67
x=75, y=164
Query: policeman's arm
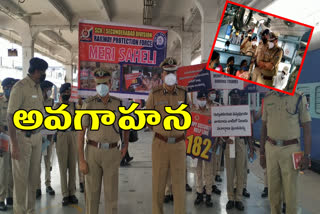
x=307, y=137
x=81, y=135
x=126, y=138
x=12, y=130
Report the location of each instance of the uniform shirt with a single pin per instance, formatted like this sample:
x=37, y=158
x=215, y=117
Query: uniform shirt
x=282, y=125
x=71, y=109
x=3, y=111
x=279, y=82
x=158, y=99
x=250, y=51
x=105, y=134
x=25, y=94
x=246, y=46
x=273, y=55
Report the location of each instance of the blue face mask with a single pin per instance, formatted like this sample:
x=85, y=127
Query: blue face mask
x=245, y=68
x=7, y=92
x=215, y=65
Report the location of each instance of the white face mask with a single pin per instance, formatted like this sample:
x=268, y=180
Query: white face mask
x=102, y=89
x=254, y=43
x=49, y=93
x=271, y=45
x=202, y=103
x=170, y=79
x=213, y=97
x=297, y=60
x=283, y=75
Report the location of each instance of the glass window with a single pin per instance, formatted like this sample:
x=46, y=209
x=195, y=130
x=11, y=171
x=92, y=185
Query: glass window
x=317, y=100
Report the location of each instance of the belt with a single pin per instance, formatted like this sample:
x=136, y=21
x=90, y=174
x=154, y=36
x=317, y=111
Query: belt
x=267, y=77
x=169, y=139
x=28, y=133
x=102, y=145
x=282, y=142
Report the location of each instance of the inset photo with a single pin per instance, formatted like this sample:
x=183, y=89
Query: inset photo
x=259, y=47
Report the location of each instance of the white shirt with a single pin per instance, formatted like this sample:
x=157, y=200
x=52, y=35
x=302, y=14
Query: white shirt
x=280, y=83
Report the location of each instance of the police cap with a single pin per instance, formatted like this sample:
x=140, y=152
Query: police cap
x=46, y=84
x=169, y=64
x=101, y=75
x=201, y=94
x=64, y=87
x=8, y=81
x=265, y=32
x=37, y=64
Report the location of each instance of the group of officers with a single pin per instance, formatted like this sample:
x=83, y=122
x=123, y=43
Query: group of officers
x=99, y=161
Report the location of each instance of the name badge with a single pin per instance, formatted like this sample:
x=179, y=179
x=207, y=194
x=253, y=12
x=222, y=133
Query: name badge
x=34, y=96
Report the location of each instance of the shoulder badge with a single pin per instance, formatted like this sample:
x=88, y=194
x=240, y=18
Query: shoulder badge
x=90, y=99
x=182, y=87
x=155, y=89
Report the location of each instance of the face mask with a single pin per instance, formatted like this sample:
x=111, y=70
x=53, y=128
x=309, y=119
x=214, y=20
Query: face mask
x=213, y=97
x=66, y=97
x=253, y=43
x=297, y=60
x=170, y=79
x=42, y=77
x=102, y=89
x=202, y=103
x=49, y=93
x=271, y=45
x=245, y=68
x=7, y=93
x=264, y=40
x=283, y=75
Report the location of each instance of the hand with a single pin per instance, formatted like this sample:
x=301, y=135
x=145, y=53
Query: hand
x=84, y=167
x=263, y=163
x=124, y=151
x=15, y=152
x=304, y=163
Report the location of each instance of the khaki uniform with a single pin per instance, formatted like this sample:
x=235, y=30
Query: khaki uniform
x=167, y=156
x=81, y=176
x=47, y=158
x=27, y=95
x=66, y=148
x=246, y=46
x=103, y=164
x=283, y=124
x=273, y=55
x=259, y=50
x=6, y=179
x=235, y=167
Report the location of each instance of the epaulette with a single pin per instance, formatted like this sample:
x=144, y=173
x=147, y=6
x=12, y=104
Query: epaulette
x=116, y=98
x=91, y=98
x=182, y=87
x=157, y=88
x=270, y=93
x=299, y=92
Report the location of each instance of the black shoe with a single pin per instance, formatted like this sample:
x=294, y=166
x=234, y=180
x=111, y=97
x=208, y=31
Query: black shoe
x=171, y=197
x=124, y=163
x=73, y=199
x=264, y=193
x=239, y=205
x=129, y=159
x=215, y=190
x=199, y=199
x=234, y=189
x=166, y=199
x=284, y=208
x=204, y=191
x=65, y=201
x=218, y=178
x=188, y=188
x=38, y=194
x=50, y=190
x=9, y=201
x=230, y=205
x=245, y=193
x=3, y=206
x=81, y=187
x=208, y=201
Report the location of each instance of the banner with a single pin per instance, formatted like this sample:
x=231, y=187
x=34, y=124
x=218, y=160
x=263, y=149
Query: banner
x=194, y=77
x=118, y=48
x=198, y=141
x=231, y=121
x=223, y=82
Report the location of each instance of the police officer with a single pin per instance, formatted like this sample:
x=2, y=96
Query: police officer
x=101, y=160
x=66, y=147
x=46, y=87
x=168, y=148
x=235, y=166
x=268, y=61
x=6, y=180
x=26, y=145
x=203, y=166
x=280, y=137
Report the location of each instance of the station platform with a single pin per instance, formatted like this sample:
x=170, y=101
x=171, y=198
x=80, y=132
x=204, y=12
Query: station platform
x=135, y=186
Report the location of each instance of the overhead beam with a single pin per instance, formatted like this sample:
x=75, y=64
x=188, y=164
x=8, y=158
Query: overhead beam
x=62, y=10
x=104, y=8
x=55, y=38
x=13, y=11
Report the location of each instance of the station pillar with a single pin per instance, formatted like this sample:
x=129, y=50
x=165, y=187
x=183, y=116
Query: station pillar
x=27, y=52
x=69, y=73
x=186, y=48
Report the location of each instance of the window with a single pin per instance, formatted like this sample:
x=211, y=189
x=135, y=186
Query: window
x=317, y=100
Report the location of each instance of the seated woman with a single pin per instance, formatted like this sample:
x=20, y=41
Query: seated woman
x=243, y=72
x=215, y=61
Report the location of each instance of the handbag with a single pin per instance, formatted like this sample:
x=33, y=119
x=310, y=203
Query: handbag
x=133, y=136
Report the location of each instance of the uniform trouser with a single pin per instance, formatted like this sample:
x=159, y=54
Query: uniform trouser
x=47, y=164
x=264, y=81
x=81, y=176
x=235, y=167
x=67, y=158
x=255, y=75
x=204, y=175
x=282, y=176
x=168, y=190
x=26, y=173
x=6, y=179
x=103, y=167
x=265, y=178
x=245, y=175
x=167, y=157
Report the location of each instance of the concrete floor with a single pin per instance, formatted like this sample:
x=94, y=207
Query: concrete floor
x=135, y=189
